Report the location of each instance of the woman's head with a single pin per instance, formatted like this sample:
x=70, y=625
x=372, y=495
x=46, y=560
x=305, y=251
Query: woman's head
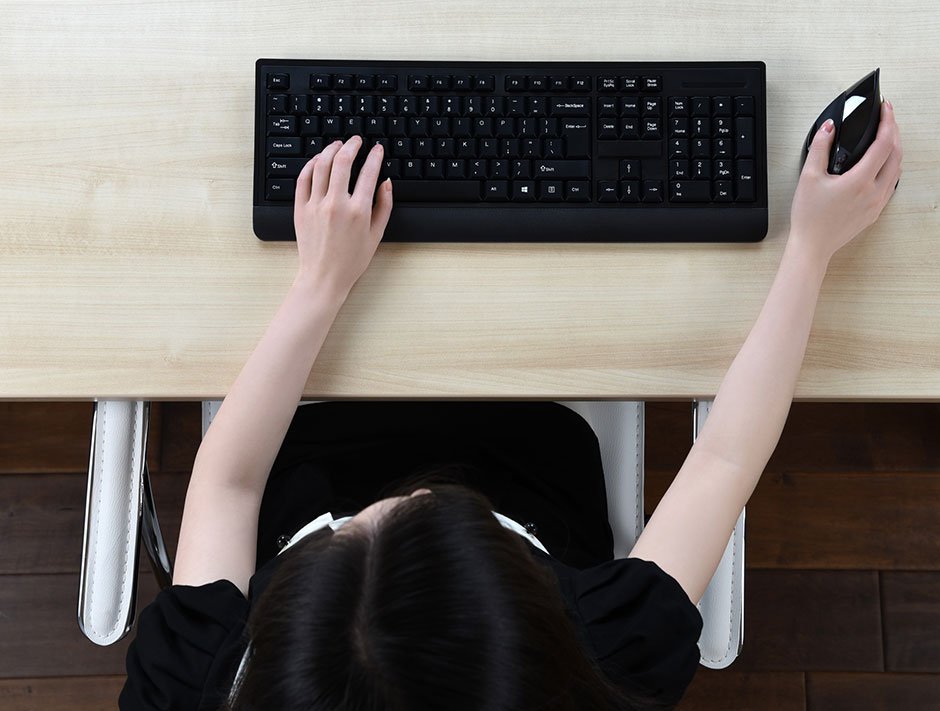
x=423, y=601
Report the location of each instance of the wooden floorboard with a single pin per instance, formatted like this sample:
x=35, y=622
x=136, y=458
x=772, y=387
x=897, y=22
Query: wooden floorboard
x=74, y=693
x=872, y=692
x=39, y=635
x=725, y=689
x=42, y=519
x=811, y=620
x=843, y=556
x=912, y=621
x=837, y=520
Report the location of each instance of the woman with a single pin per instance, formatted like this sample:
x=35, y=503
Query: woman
x=439, y=596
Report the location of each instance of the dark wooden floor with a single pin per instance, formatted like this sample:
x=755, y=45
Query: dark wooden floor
x=842, y=590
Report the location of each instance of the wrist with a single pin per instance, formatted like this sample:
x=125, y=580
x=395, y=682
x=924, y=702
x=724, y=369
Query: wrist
x=318, y=291
x=811, y=256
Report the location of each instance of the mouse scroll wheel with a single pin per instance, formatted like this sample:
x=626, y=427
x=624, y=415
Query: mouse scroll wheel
x=840, y=160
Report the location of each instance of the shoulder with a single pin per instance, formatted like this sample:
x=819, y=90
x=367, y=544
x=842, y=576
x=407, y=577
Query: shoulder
x=637, y=622
x=187, y=645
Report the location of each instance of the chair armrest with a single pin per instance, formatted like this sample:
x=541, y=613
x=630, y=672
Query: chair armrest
x=722, y=605
x=108, y=584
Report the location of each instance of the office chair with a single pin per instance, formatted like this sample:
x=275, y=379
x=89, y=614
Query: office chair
x=119, y=509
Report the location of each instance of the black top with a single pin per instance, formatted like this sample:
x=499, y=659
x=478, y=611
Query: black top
x=635, y=619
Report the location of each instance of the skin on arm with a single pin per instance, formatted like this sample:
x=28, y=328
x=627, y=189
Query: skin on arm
x=689, y=530
x=337, y=236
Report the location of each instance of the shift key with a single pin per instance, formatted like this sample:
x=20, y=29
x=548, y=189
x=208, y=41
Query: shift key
x=562, y=169
x=577, y=138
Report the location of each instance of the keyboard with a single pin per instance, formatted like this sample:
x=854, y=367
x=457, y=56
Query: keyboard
x=527, y=151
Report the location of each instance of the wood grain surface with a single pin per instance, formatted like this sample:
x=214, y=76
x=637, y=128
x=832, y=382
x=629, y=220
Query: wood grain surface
x=129, y=269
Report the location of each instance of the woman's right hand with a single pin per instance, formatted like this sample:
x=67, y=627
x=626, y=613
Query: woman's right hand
x=828, y=211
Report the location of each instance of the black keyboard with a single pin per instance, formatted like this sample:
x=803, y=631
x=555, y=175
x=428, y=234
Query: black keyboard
x=527, y=151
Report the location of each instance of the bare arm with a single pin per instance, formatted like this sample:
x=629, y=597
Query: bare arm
x=688, y=532
x=337, y=235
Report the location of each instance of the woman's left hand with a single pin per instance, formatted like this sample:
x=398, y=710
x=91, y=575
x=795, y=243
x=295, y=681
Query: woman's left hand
x=338, y=233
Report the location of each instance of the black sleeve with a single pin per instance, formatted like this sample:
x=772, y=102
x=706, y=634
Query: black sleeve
x=186, y=640
x=642, y=627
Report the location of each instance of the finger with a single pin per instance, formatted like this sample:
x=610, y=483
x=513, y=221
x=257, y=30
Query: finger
x=890, y=171
x=321, y=172
x=818, y=158
x=342, y=166
x=383, y=208
x=878, y=152
x=365, y=183
x=302, y=191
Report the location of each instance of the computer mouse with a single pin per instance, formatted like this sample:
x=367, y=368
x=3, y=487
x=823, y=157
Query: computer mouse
x=855, y=114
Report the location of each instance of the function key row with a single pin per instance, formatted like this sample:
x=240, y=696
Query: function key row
x=457, y=82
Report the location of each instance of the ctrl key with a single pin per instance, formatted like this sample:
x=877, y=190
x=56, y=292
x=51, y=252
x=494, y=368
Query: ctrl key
x=279, y=190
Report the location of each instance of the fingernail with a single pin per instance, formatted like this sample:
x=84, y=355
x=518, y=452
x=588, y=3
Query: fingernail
x=827, y=126
x=890, y=105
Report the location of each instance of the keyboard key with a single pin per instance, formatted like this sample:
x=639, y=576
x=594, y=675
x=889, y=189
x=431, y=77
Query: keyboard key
x=561, y=169
x=723, y=191
x=652, y=191
x=515, y=82
x=417, y=82
x=551, y=190
x=365, y=82
x=286, y=146
x=387, y=82
x=652, y=83
x=701, y=106
x=441, y=82
x=744, y=180
x=629, y=169
x=571, y=106
x=607, y=84
x=721, y=106
x=629, y=191
x=580, y=83
x=578, y=191
x=607, y=191
x=679, y=106
x=320, y=81
x=284, y=167
x=522, y=191
x=577, y=137
x=744, y=136
x=277, y=103
x=282, y=125
x=690, y=191
x=744, y=106
x=342, y=82
x=280, y=82
x=484, y=83
x=495, y=190
x=436, y=191
x=310, y=126
x=279, y=189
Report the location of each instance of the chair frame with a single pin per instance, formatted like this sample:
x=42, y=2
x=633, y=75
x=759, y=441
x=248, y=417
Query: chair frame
x=120, y=501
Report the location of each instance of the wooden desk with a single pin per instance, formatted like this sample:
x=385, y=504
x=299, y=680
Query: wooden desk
x=128, y=266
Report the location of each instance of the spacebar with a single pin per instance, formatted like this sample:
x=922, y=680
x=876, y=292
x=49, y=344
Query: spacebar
x=436, y=190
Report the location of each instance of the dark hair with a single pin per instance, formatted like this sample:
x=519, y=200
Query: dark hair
x=436, y=607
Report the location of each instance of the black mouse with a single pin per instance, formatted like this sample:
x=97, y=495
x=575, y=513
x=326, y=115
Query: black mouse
x=855, y=114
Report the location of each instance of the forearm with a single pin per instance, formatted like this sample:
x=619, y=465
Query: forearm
x=246, y=434
x=754, y=398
